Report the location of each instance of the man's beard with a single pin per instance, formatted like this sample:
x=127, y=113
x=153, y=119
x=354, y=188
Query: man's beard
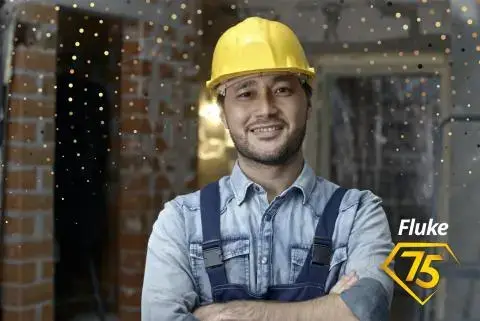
x=281, y=157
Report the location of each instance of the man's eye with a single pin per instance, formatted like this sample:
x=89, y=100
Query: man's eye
x=283, y=91
x=246, y=94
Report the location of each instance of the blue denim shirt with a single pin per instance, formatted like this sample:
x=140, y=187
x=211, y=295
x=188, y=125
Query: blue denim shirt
x=266, y=244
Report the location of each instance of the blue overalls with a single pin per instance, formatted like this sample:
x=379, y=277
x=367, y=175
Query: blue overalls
x=313, y=275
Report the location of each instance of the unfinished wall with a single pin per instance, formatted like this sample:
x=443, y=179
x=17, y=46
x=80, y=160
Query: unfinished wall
x=28, y=244
x=157, y=132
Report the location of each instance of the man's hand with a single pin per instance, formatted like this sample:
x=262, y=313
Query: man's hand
x=249, y=310
x=344, y=283
x=211, y=312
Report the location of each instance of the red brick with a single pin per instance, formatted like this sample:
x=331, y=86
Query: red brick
x=48, y=224
x=191, y=111
x=48, y=179
x=133, y=242
x=160, y=145
x=24, y=84
x=23, y=314
x=30, y=155
x=29, y=250
x=177, y=55
x=47, y=269
x=48, y=132
x=36, y=60
x=21, y=132
x=19, y=273
x=162, y=182
x=25, y=202
x=131, y=279
x=19, y=225
x=49, y=86
x=164, y=109
x=189, y=38
x=134, y=105
x=23, y=179
x=47, y=312
x=138, y=161
x=130, y=201
x=137, y=183
x=129, y=86
x=38, y=13
x=130, y=298
x=140, y=125
x=165, y=71
x=130, y=48
x=27, y=295
x=125, y=315
x=136, y=67
x=31, y=108
x=133, y=261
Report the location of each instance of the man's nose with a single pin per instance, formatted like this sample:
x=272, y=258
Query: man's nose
x=266, y=104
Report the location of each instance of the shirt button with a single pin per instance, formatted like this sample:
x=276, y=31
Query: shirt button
x=264, y=260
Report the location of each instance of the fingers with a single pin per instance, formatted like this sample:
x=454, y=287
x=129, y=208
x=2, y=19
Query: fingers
x=345, y=282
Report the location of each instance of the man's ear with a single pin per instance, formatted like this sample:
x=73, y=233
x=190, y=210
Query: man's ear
x=222, y=117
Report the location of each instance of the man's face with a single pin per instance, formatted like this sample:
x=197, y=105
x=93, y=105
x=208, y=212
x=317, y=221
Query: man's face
x=266, y=116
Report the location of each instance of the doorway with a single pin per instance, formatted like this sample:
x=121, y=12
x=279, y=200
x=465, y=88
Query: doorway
x=376, y=130
x=88, y=73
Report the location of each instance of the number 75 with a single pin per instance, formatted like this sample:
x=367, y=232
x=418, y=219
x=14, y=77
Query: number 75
x=426, y=268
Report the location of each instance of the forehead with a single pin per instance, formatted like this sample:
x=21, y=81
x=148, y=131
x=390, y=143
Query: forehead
x=256, y=79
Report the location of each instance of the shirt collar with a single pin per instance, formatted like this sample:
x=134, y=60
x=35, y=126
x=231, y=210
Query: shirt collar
x=240, y=183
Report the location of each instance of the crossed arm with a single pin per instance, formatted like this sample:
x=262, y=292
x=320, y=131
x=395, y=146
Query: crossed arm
x=169, y=291
x=326, y=308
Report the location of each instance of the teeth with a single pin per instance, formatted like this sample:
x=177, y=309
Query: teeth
x=266, y=129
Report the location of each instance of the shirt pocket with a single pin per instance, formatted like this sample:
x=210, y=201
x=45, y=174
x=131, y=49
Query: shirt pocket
x=299, y=253
x=235, y=254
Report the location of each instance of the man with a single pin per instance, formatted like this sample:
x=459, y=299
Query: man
x=271, y=241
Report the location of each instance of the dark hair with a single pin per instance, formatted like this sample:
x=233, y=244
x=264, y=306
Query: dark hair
x=306, y=87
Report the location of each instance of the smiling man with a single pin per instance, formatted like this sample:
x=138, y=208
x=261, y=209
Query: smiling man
x=271, y=241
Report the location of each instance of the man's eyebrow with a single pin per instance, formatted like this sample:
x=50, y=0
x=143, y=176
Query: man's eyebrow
x=244, y=84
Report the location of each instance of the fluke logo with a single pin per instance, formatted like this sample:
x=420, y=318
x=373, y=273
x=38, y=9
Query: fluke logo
x=421, y=272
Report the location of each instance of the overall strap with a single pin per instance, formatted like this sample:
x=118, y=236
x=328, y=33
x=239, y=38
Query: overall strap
x=317, y=263
x=212, y=250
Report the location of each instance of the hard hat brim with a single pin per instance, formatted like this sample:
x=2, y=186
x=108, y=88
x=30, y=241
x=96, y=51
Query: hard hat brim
x=213, y=83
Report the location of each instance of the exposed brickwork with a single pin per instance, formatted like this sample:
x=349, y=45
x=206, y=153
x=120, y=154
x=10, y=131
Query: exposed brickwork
x=159, y=137
x=157, y=145
x=27, y=265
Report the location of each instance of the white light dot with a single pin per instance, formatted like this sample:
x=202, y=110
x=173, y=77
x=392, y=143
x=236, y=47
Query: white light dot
x=183, y=6
x=77, y=44
x=405, y=27
x=74, y=57
x=101, y=21
x=70, y=99
x=100, y=94
x=81, y=30
x=92, y=4
x=105, y=52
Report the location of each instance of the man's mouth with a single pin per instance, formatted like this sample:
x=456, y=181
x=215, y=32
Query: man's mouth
x=266, y=129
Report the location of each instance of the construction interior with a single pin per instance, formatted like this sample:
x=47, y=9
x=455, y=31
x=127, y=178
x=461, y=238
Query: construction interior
x=105, y=118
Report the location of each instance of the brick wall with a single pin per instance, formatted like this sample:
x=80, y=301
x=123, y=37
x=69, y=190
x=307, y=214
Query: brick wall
x=158, y=132
x=158, y=147
x=27, y=264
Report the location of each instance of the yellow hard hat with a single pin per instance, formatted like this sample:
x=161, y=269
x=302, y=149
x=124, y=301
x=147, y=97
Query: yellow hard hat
x=257, y=45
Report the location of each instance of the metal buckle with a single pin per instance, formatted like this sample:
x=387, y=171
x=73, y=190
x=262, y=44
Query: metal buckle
x=213, y=257
x=321, y=251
